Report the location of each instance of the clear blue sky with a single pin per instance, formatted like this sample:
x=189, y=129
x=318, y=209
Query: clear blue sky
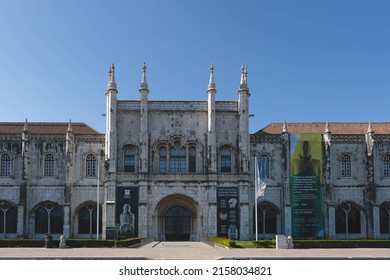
x=308, y=61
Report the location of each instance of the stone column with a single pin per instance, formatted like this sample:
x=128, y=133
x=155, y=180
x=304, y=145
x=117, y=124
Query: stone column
x=245, y=212
x=212, y=219
x=331, y=219
x=20, y=226
x=376, y=222
x=244, y=222
x=66, y=229
x=143, y=221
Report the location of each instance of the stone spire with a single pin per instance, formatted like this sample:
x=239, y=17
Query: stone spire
x=143, y=128
x=284, y=130
x=111, y=119
x=70, y=129
x=211, y=81
x=243, y=122
x=144, y=83
x=370, y=139
x=327, y=128
x=327, y=136
x=369, y=129
x=111, y=78
x=25, y=128
x=25, y=132
x=243, y=81
x=25, y=150
x=211, y=133
x=69, y=137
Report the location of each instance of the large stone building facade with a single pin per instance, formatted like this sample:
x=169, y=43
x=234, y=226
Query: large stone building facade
x=185, y=170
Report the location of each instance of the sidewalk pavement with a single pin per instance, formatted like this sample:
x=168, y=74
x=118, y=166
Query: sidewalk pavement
x=190, y=251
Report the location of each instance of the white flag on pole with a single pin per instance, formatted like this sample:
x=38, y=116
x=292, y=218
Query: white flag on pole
x=260, y=185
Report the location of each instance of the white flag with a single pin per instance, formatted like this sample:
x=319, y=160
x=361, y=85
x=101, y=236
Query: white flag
x=259, y=184
x=260, y=187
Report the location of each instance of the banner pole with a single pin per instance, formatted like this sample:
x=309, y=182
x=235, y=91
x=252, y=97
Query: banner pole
x=256, y=183
x=97, y=198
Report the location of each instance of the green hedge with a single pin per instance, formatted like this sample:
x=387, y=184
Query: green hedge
x=301, y=244
x=364, y=243
x=128, y=242
x=222, y=241
x=265, y=243
x=72, y=243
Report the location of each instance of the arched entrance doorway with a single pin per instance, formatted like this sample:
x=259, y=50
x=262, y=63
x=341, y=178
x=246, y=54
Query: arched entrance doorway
x=177, y=224
x=177, y=219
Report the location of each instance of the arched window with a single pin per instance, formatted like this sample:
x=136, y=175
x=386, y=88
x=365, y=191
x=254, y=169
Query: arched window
x=88, y=219
x=347, y=219
x=384, y=218
x=386, y=165
x=163, y=160
x=129, y=160
x=90, y=164
x=263, y=165
x=49, y=219
x=345, y=166
x=8, y=218
x=226, y=160
x=266, y=220
x=49, y=165
x=177, y=158
x=6, y=165
x=41, y=224
x=192, y=159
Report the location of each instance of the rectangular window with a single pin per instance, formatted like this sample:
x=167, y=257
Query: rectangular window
x=192, y=164
x=6, y=168
x=91, y=168
x=345, y=169
x=49, y=168
x=192, y=159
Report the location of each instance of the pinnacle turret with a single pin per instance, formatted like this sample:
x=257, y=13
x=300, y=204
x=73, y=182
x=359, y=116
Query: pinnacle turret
x=25, y=128
x=144, y=83
x=70, y=129
x=370, y=129
x=243, y=81
x=327, y=128
x=211, y=81
x=284, y=130
x=111, y=78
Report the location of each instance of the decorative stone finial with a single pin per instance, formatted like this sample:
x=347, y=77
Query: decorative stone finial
x=111, y=78
x=369, y=129
x=327, y=128
x=211, y=81
x=70, y=129
x=370, y=139
x=25, y=128
x=144, y=83
x=244, y=78
x=284, y=130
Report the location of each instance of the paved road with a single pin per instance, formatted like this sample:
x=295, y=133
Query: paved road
x=189, y=251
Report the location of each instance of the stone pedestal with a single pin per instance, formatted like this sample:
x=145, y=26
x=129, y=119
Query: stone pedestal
x=281, y=242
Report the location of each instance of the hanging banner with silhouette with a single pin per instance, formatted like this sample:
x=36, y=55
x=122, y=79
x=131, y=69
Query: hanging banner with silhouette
x=306, y=186
x=126, y=217
x=228, y=214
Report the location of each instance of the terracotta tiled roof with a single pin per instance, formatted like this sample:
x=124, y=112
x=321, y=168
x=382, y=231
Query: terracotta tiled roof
x=319, y=127
x=46, y=128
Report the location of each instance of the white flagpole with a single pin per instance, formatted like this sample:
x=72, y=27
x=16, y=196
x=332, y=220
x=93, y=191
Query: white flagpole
x=97, y=198
x=256, y=183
